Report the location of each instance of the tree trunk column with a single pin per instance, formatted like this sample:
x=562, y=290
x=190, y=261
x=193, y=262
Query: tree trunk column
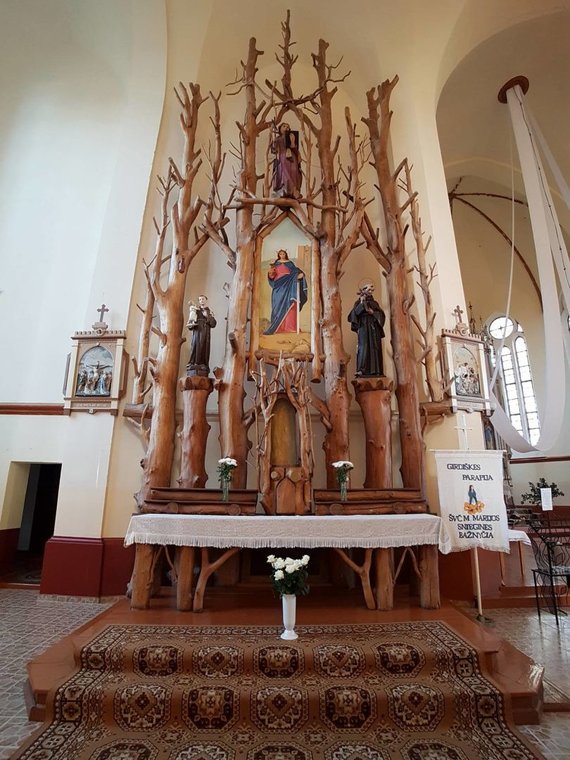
x=373, y=395
x=429, y=581
x=195, y=392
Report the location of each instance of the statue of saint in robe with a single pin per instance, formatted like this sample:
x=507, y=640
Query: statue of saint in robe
x=367, y=320
x=287, y=176
x=200, y=322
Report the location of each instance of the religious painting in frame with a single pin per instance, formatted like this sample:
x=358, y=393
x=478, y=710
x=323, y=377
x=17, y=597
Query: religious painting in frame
x=465, y=371
x=282, y=307
x=96, y=370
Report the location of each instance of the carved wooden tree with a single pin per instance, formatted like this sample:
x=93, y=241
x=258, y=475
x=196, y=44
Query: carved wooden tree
x=141, y=362
x=169, y=298
x=394, y=256
x=427, y=273
x=297, y=390
x=273, y=379
x=267, y=393
x=334, y=224
x=230, y=379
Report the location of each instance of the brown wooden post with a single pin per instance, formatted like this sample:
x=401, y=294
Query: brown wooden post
x=185, y=572
x=429, y=585
x=195, y=392
x=142, y=579
x=385, y=578
x=373, y=395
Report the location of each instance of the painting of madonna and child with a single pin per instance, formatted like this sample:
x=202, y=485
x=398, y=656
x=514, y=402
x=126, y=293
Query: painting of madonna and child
x=284, y=291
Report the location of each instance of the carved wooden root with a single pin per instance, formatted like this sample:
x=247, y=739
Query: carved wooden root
x=373, y=396
x=185, y=576
x=206, y=570
x=143, y=573
x=363, y=572
x=195, y=392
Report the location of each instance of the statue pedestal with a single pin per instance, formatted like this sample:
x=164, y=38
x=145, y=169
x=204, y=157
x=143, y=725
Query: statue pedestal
x=195, y=392
x=373, y=395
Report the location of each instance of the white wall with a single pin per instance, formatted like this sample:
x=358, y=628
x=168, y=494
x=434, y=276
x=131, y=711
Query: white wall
x=82, y=90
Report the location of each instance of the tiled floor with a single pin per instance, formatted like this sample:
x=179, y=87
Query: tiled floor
x=550, y=647
x=29, y=624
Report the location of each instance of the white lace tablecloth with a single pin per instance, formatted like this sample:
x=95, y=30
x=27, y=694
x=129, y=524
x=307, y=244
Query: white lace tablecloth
x=280, y=532
x=518, y=535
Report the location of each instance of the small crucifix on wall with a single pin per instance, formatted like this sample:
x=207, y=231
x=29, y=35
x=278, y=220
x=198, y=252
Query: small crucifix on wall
x=458, y=313
x=101, y=326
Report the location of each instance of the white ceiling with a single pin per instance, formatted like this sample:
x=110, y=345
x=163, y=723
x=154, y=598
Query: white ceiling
x=474, y=128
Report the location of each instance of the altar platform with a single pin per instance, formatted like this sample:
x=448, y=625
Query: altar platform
x=517, y=675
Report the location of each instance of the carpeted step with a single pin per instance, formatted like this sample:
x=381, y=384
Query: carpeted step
x=183, y=650
x=374, y=692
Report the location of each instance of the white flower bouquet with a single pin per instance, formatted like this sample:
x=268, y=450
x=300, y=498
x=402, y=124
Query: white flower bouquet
x=289, y=576
x=225, y=467
x=343, y=467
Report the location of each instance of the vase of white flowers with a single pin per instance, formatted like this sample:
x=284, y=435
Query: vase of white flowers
x=343, y=467
x=289, y=579
x=225, y=468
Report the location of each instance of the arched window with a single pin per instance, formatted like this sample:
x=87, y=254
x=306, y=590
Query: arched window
x=517, y=386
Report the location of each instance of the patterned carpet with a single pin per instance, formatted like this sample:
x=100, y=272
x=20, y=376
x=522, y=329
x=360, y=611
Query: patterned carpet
x=363, y=692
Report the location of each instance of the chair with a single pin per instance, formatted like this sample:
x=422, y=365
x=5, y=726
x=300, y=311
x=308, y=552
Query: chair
x=551, y=546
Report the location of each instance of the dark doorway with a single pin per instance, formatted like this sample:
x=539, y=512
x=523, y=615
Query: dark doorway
x=38, y=520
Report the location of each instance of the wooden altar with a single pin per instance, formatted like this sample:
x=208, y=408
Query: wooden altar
x=378, y=535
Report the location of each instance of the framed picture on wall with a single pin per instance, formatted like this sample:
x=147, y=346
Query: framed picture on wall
x=465, y=371
x=96, y=372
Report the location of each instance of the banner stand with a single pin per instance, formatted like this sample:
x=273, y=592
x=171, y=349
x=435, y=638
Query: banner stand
x=480, y=616
x=472, y=505
x=464, y=446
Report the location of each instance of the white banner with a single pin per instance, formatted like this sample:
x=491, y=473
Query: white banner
x=472, y=505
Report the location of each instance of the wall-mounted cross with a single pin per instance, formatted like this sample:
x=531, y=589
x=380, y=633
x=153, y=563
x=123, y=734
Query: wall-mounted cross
x=101, y=312
x=458, y=313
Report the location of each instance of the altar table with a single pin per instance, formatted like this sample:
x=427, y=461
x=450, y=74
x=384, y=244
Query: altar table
x=378, y=535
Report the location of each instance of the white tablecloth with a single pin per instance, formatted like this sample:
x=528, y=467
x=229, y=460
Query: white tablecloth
x=519, y=535
x=280, y=532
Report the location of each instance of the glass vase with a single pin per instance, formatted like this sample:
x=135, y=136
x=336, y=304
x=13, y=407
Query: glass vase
x=289, y=604
x=225, y=484
x=343, y=485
